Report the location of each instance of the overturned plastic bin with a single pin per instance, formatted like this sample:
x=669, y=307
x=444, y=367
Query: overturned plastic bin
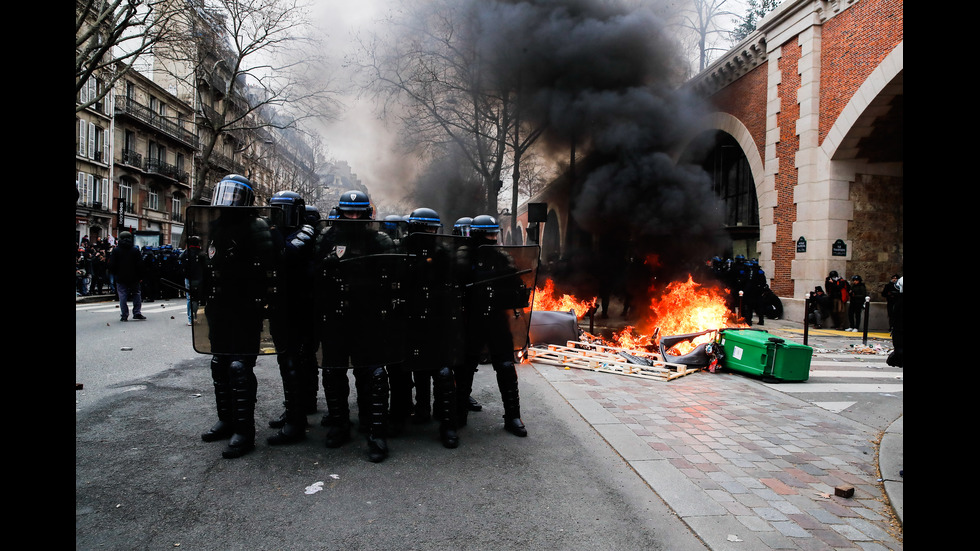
x=553, y=327
x=757, y=352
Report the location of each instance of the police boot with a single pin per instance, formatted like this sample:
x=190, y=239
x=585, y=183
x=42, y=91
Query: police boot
x=464, y=385
x=507, y=382
x=337, y=420
x=243, y=391
x=378, y=411
x=446, y=405
x=311, y=383
x=294, y=423
x=422, y=380
x=400, y=385
x=222, y=398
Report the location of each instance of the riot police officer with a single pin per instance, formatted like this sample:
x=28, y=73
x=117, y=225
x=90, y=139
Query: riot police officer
x=290, y=317
x=434, y=308
x=347, y=294
x=238, y=261
x=493, y=290
x=462, y=228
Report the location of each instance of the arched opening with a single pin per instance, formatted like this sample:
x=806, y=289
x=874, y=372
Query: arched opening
x=732, y=179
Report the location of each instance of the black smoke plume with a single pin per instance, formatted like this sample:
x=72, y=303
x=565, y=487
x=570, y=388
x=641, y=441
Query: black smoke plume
x=606, y=79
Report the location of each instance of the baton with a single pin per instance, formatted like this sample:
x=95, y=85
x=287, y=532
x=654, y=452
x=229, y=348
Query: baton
x=175, y=285
x=522, y=272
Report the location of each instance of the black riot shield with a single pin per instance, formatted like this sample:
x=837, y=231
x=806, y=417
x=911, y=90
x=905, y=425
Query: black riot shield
x=507, y=279
x=359, y=295
x=434, y=330
x=238, y=254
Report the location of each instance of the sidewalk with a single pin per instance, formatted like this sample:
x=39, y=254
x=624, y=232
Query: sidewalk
x=741, y=462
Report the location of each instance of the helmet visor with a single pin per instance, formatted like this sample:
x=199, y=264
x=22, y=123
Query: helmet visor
x=232, y=193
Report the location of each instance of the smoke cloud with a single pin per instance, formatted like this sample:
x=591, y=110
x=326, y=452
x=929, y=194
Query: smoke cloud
x=604, y=77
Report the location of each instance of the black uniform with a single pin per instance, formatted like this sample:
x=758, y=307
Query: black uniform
x=434, y=329
x=238, y=262
x=291, y=322
x=352, y=304
x=492, y=291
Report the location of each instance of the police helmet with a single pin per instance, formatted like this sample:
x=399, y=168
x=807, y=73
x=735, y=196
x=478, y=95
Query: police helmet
x=293, y=208
x=312, y=215
x=234, y=190
x=355, y=204
x=424, y=219
x=333, y=214
x=485, y=227
x=462, y=226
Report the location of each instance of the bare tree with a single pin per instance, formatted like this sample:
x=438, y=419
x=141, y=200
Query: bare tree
x=252, y=66
x=429, y=77
x=704, y=19
x=110, y=34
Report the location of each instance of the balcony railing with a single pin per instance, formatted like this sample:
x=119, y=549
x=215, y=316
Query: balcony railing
x=156, y=166
x=129, y=106
x=132, y=158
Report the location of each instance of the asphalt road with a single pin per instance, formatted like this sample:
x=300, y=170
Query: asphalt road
x=145, y=480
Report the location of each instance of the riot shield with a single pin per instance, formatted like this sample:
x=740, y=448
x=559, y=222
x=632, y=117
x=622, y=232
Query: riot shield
x=359, y=295
x=435, y=333
x=510, y=287
x=238, y=255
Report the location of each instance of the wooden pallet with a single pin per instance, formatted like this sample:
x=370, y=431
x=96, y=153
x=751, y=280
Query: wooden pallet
x=609, y=359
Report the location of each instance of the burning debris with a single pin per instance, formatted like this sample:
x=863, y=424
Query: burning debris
x=676, y=336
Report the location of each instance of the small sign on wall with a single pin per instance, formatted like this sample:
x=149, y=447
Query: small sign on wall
x=801, y=245
x=839, y=248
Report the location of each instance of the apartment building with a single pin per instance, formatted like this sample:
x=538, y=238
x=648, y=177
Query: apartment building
x=154, y=144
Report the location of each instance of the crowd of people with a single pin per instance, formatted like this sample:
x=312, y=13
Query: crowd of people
x=91, y=267
x=842, y=303
x=160, y=277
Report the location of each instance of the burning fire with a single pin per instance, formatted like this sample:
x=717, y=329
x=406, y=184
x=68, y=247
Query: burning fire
x=682, y=307
x=545, y=299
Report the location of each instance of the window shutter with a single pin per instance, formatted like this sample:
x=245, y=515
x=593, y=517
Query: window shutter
x=80, y=186
x=81, y=137
x=105, y=147
x=91, y=140
x=88, y=188
x=104, y=195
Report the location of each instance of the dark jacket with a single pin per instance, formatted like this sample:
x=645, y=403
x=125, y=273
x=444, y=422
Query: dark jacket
x=126, y=265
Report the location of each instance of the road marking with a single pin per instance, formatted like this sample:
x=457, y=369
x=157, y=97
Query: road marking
x=857, y=374
x=835, y=407
x=805, y=387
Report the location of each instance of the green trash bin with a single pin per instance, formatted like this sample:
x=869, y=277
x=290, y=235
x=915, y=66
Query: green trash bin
x=756, y=352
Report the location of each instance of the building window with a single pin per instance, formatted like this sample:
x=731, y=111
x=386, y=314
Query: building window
x=153, y=200
x=126, y=194
x=176, y=207
x=100, y=193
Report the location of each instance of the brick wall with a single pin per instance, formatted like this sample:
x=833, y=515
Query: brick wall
x=854, y=44
x=784, y=214
x=745, y=99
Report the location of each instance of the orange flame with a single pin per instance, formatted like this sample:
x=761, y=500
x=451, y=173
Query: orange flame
x=545, y=299
x=682, y=307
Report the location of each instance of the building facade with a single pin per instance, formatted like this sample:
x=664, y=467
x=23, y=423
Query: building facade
x=154, y=147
